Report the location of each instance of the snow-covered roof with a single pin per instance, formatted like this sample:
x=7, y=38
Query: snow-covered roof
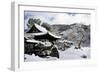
x=43, y=32
x=53, y=35
x=42, y=29
x=33, y=41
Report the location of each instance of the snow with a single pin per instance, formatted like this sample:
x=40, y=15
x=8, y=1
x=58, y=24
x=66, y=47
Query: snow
x=34, y=34
x=47, y=44
x=68, y=54
x=33, y=41
x=44, y=43
x=54, y=35
x=30, y=58
x=72, y=53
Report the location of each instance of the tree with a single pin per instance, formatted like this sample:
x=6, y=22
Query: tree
x=32, y=21
x=47, y=26
x=38, y=21
x=79, y=44
x=80, y=31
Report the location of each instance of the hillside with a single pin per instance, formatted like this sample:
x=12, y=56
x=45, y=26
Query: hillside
x=73, y=32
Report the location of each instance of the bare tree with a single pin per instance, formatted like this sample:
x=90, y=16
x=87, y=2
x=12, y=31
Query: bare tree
x=80, y=31
x=79, y=44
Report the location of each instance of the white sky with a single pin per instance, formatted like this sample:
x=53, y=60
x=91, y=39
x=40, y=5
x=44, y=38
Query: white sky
x=58, y=18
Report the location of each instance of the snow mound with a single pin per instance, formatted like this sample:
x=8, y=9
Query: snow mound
x=30, y=58
x=68, y=54
x=72, y=53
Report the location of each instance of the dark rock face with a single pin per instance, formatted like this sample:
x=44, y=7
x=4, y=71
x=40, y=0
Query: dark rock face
x=41, y=50
x=54, y=52
x=28, y=48
x=84, y=56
